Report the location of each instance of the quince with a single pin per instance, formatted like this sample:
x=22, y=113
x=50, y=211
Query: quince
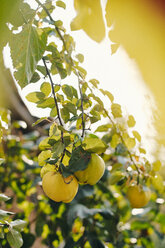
x=58, y=188
x=94, y=171
x=138, y=196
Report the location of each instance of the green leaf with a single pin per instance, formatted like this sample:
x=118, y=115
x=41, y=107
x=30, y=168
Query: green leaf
x=26, y=12
x=157, y=182
x=65, y=114
x=142, y=150
x=115, y=177
x=96, y=117
x=94, y=145
x=81, y=211
x=131, y=121
x=97, y=99
x=156, y=165
x=39, y=225
x=43, y=156
x=74, y=92
x=137, y=135
x=67, y=91
x=103, y=128
x=2, y=235
x=53, y=112
x=14, y=238
x=42, y=69
x=84, y=87
x=35, y=78
x=44, y=144
x=53, y=130
x=27, y=48
x=80, y=57
x=18, y=224
x=108, y=94
x=46, y=88
x=60, y=98
x=35, y=97
x=129, y=142
x=94, y=82
x=115, y=140
x=61, y=4
x=5, y=115
x=82, y=72
x=78, y=161
x=57, y=88
x=58, y=148
x=4, y=197
x=61, y=70
x=50, y=8
x=39, y=120
x=139, y=225
x=70, y=107
x=58, y=23
x=116, y=110
x=121, y=149
x=115, y=167
x=47, y=103
x=4, y=213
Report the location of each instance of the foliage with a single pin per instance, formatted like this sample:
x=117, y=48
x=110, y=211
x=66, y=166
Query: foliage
x=10, y=229
x=99, y=215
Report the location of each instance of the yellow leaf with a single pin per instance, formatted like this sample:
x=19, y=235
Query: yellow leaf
x=89, y=18
x=131, y=121
x=116, y=110
x=94, y=145
x=44, y=155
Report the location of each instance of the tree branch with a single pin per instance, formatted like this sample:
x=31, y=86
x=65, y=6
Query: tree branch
x=54, y=96
x=76, y=72
x=82, y=108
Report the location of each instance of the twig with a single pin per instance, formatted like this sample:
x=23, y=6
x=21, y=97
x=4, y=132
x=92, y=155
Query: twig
x=77, y=73
x=54, y=96
x=56, y=104
x=55, y=100
x=121, y=137
x=82, y=108
x=52, y=20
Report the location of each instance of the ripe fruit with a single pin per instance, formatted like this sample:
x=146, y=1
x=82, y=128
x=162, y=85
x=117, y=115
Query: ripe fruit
x=92, y=174
x=58, y=188
x=138, y=196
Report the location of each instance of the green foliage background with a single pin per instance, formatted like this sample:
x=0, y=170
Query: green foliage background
x=100, y=215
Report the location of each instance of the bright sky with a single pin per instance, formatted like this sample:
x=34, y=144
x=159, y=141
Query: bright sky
x=117, y=73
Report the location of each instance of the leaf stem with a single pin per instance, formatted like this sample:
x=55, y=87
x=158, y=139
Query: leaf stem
x=54, y=96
